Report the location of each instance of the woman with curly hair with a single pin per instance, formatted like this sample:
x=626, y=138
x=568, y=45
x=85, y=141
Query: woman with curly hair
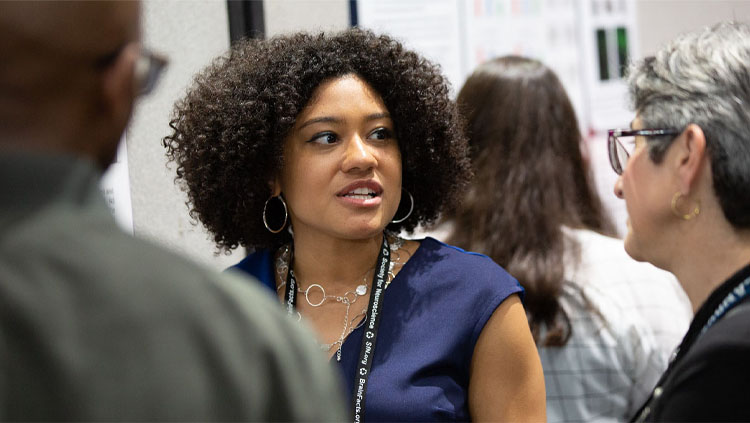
x=314, y=151
x=604, y=324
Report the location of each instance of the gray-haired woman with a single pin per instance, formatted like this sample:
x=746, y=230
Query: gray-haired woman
x=684, y=171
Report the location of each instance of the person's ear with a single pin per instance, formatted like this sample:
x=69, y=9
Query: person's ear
x=119, y=88
x=276, y=186
x=690, y=156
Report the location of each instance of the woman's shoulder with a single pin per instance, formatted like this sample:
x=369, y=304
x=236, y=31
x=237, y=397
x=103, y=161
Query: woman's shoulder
x=465, y=285
x=450, y=255
x=605, y=267
x=604, y=260
x=731, y=333
x=448, y=264
x=258, y=264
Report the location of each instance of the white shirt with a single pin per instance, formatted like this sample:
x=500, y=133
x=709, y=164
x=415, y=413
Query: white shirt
x=626, y=318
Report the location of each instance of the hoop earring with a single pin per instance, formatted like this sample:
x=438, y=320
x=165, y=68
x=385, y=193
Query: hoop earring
x=411, y=208
x=687, y=216
x=286, y=214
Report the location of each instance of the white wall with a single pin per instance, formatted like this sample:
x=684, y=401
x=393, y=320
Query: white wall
x=661, y=20
x=283, y=16
x=190, y=33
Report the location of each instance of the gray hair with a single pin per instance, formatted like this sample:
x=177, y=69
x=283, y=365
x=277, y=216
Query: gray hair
x=703, y=78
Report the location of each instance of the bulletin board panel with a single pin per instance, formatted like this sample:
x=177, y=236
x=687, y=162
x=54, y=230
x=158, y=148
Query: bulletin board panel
x=586, y=42
x=431, y=27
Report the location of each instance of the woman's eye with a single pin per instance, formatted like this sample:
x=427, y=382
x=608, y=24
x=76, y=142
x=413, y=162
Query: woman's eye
x=324, y=138
x=381, y=134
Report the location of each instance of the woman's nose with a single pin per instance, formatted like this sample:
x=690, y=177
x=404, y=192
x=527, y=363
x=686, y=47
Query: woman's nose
x=358, y=155
x=618, y=188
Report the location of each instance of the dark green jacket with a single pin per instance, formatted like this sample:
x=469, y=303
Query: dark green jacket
x=98, y=325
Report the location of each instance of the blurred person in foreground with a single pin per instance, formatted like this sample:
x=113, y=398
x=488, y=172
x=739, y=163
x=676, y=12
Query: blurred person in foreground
x=684, y=169
x=603, y=323
x=94, y=324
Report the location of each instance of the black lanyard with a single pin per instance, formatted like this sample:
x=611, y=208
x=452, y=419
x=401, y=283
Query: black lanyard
x=372, y=322
x=732, y=299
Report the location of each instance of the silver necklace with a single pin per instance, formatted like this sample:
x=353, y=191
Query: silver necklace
x=348, y=298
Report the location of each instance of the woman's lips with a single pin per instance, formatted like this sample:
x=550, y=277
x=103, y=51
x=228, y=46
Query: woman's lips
x=361, y=202
x=362, y=194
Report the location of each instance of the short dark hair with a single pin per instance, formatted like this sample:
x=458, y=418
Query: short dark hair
x=531, y=180
x=228, y=131
x=703, y=77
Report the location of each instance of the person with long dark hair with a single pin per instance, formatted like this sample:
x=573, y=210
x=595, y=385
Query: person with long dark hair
x=604, y=324
x=315, y=151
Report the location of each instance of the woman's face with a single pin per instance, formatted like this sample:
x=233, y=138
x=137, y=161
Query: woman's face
x=342, y=164
x=644, y=186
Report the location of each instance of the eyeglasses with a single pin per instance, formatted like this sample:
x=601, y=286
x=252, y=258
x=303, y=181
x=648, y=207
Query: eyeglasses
x=618, y=154
x=148, y=69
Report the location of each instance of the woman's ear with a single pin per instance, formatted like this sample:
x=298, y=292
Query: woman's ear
x=275, y=187
x=690, y=156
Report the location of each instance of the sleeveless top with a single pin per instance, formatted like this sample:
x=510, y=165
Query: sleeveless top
x=432, y=315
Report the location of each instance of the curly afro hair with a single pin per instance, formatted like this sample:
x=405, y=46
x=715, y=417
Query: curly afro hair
x=229, y=129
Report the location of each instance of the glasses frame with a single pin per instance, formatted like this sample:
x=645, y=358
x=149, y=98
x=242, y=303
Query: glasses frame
x=613, y=143
x=148, y=68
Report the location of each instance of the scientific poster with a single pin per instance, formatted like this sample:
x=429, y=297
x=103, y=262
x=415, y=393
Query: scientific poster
x=586, y=42
x=430, y=27
x=541, y=29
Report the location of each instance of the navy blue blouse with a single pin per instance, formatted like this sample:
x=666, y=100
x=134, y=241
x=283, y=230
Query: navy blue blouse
x=432, y=315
